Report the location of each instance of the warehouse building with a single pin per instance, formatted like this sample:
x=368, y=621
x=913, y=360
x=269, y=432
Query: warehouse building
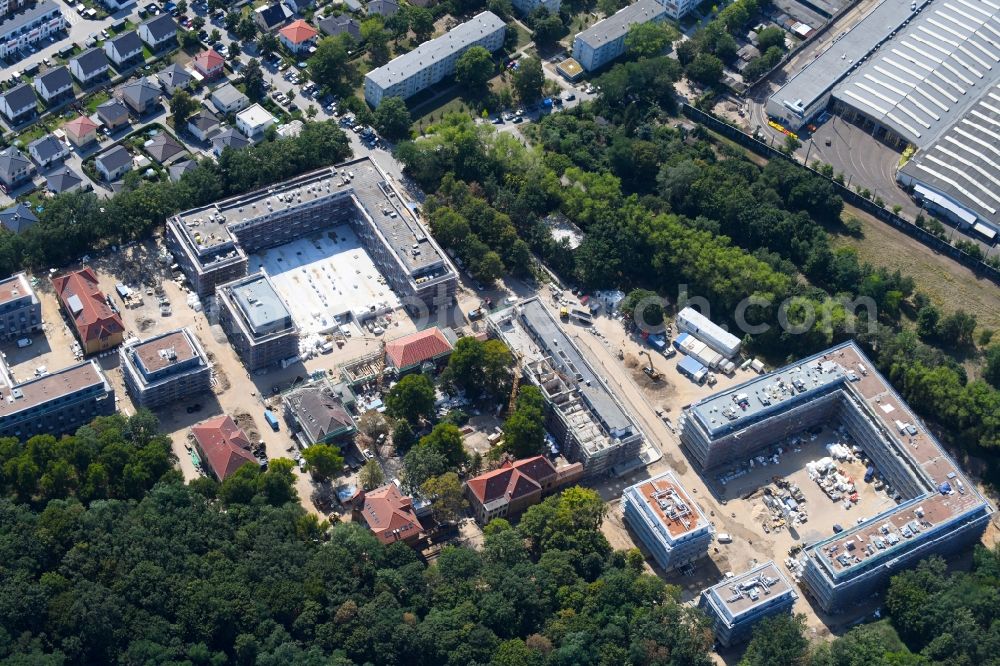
x=433, y=60
x=258, y=324
x=20, y=309
x=605, y=40
x=589, y=424
x=165, y=369
x=940, y=510
x=737, y=604
x=211, y=243
x=671, y=527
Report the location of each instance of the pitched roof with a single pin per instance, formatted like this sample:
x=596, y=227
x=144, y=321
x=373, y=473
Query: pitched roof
x=62, y=180
x=203, y=120
x=389, y=514
x=18, y=218
x=163, y=147
x=115, y=158
x=47, y=148
x=111, y=111
x=91, y=61
x=273, y=15
x=20, y=97
x=83, y=300
x=127, y=42
x=175, y=76
x=230, y=139
x=320, y=411
x=511, y=480
x=336, y=25
x=383, y=7
x=208, y=60
x=178, y=170
x=227, y=94
x=225, y=446
x=298, y=31
x=410, y=350
x=161, y=27
x=80, y=126
x=140, y=92
x=54, y=79
x=12, y=159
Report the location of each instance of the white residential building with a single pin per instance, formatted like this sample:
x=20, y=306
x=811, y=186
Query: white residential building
x=432, y=61
x=605, y=40
x=253, y=121
x=525, y=7
x=124, y=47
x=29, y=26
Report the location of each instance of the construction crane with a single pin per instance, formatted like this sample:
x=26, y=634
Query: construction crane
x=516, y=384
x=650, y=371
x=380, y=365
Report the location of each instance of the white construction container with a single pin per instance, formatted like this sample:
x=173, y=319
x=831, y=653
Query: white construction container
x=701, y=352
x=705, y=329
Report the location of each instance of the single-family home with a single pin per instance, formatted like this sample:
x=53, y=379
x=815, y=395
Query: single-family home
x=228, y=99
x=222, y=446
x=209, y=63
x=229, y=138
x=159, y=32
x=299, y=6
x=62, y=180
x=174, y=78
x=341, y=25
x=47, y=150
x=389, y=514
x=15, y=168
x=18, y=104
x=89, y=67
x=54, y=85
x=353, y=6
x=204, y=125
x=253, y=121
x=140, y=96
x=114, y=164
x=270, y=17
x=80, y=131
x=18, y=218
x=124, y=49
x=385, y=8
x=97, y=326
x=298, y=36
x=164, y=148
x=177, y=171
x=113, y=114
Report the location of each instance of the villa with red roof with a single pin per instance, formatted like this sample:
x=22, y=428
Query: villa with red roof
x=510, y=489
x=411, y=351
x=388, y=514
x=298, y=36
x=209, y=63
x=80, y=131
x=97, y=326
x=222, y=446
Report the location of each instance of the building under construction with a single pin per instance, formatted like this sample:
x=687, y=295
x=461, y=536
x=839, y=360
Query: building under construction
x=671, y=527
x=939, y=509
x=738, y=603
x=587, y=421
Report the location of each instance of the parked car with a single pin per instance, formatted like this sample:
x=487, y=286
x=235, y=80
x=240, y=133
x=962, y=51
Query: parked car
x=368, y=454
x=25, y=342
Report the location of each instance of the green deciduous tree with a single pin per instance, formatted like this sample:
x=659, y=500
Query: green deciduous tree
x=371, y=475
x=182, y=105
x=777, y=641
x=474, y=68
x=328, y=65
x=645, y=40
x=392, y=119
x=323, y=460
x=524, y=430
x=412, y=398
x=529, y=79
x=447, y=499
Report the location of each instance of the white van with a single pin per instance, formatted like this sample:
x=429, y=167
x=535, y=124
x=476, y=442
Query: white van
x=722, y=537
x=24, y=342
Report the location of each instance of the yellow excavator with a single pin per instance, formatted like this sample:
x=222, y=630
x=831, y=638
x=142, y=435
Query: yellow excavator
x=650, y=371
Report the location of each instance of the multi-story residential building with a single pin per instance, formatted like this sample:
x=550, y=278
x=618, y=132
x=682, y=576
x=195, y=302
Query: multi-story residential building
x=54, y=85
x=229, y=138
x=18, y=218
x=588, y=422
x=269, y=17
x=605, y=40
x=340, y=25
x=209, y=64
x=203, y=125
x=319, y=411
x=671, y=527
x=11, y=6
x=20, y=309
x=113, y=114
x=19, y=104
x=90, y=66
x=15, y=168
x=27, y=27
x=433, y=60
x=525, y=7
x=228, y=99
x=676, y=9
x=388, y=514
x=738, y=603
x=56, y=403
x=158, y=32
x=298, y=36
x=222, y=446
x=164, y=369
x=514, y=486
x=64, y=179
x=253, y=121
x=211, y=243
x=124, y=49
x=97, y=326
x=259, y=326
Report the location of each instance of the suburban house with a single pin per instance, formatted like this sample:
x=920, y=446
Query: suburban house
x=298, y=36
x=54, y=85
x=173, y=78
x=97, y=326
x=113, y=114
x=81, y=131
x=222, y=446
x=15, y=168
x=229, y=138
x=164, y=148
x=339, y=25
x=114, y=164
x=89, y=66
x=62, y=180
x=47, y=150
x=269, y=17
x=18, y=104
x=388, y=514
x=203, y=125
x=385, y=8
x=177, y=171
x=510, y=489
x=209, y=64
x=18, y=218
x=228, y=99
x=299, y=5
x=253, y=121
x=140, y=96
x=124, y=48
x=353, y=6
x=158, y=32
x=411, y=352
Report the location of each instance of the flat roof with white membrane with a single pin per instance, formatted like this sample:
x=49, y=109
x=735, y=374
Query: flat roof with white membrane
x=325, y=276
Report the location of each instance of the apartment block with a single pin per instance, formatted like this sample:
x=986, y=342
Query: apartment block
x=671, y=527
x=259, y=326
x=605, y=40
x=737, y=604
x=433, y=60
x=525, y=7
x=20, y=309
x=21, y=30
x=165, y=369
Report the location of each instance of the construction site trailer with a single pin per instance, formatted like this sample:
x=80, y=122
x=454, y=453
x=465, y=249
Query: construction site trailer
x=700, y=326
x=701, y=352
x=691, y=368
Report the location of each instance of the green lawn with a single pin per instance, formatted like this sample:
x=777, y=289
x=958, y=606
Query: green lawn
x=523, y=36
x=96, y=100
x=453, y=103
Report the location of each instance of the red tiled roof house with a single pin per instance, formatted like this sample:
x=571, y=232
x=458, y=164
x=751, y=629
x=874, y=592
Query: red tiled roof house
x=97, y=326
x=209, y=63
x=81, y=131
x=388, y=514
x=298, y=36
x=510, y=489
x=410, y=352
x=222, y=446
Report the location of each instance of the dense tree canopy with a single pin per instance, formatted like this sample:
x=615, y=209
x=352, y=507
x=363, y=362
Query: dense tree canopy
x=411, y=398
